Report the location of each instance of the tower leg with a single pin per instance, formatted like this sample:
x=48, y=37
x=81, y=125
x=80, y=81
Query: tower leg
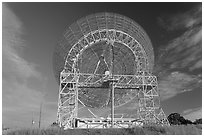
x=67, y=104
x=149, y=104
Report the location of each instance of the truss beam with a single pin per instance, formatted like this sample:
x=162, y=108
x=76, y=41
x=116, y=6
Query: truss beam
x=149, y=105
x=110, y=29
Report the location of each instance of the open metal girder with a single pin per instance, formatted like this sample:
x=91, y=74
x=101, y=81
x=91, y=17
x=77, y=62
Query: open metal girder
x=111, y=29
x=149, y=108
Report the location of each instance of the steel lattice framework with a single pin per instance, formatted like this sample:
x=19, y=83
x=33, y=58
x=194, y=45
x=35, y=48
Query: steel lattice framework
x=117, y=33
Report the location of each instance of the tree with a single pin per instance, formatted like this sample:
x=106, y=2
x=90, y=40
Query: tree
x=198, y=121
x=188, y=122
x=177, y=119
x=173, y=119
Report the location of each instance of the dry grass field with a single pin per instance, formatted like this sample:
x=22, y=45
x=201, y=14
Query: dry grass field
x=146, y=130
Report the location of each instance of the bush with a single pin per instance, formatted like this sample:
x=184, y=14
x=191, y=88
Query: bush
x=177, y=119
x=198, y=121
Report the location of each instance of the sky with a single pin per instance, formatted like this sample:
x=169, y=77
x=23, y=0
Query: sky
x=30, y=32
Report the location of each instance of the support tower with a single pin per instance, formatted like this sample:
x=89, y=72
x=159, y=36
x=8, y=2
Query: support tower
x=104, y=63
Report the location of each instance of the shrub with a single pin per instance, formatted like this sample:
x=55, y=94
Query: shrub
x=198, y=121
x=177, y=119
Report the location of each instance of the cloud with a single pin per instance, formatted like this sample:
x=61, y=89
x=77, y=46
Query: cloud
x=193, y=114
x=13, y=43
x=179, y=61
x=19, y=101
x=184, y=51
x=184, y=20
x=176, y=83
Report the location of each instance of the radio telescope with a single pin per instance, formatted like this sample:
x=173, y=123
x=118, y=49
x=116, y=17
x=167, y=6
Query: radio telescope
x=103, y=64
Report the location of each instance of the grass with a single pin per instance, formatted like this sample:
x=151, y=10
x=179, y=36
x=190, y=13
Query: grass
x=146, y=130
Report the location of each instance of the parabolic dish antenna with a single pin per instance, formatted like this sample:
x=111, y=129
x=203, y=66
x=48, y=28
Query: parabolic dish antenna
x=103, y=64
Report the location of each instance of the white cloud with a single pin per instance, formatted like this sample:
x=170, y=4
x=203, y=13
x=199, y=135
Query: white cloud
x=18, y=95
x=176, y=83
x=193, y=114
x=21, y=103
x=196, y=38
x=13, y=43
x=181, y=56
x=184, y=51
x=184, y=20
x=18, y=99
x=197, y=65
